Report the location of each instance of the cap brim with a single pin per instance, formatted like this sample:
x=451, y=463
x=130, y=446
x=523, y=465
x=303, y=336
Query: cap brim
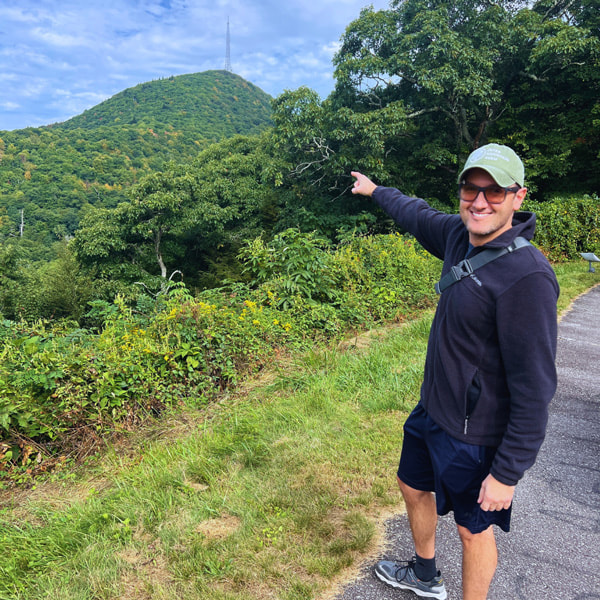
x=498, y=175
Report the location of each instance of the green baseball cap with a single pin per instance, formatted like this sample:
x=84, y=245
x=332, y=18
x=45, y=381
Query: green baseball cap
x=499, y=161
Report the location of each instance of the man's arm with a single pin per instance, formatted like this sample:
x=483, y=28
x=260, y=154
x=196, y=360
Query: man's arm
x=527, y=329
x=430, y=227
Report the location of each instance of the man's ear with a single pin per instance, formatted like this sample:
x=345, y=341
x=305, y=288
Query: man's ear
x=519, y=197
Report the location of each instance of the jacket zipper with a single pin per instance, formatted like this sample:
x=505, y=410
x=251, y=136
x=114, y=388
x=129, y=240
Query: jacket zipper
x=473, y=394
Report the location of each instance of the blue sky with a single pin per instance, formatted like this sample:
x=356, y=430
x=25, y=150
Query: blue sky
x=60, y=57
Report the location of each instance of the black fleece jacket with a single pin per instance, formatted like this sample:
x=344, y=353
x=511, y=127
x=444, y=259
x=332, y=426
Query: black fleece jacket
x=490, y=369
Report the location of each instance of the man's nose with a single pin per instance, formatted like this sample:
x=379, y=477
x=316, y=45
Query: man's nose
x=480, y=200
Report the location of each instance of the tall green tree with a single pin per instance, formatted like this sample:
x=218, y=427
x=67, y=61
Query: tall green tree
x=470, y=71
x=186, y=218
x=319, y=144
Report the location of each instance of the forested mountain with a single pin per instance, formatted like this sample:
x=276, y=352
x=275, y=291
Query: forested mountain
x=211, y=105
x=53, y=173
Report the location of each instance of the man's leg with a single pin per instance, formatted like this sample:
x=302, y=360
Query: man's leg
x=422, y=516
x=480, y=558
x=418, y=575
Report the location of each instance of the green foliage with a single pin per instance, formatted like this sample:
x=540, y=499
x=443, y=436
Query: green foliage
x=320, y=144
x=33, y=289
x=56, y=172
x=56, y=384
x=567, y=226
x=467, y=72
x=215, y=104
x=186, y=218
x=386, y=275
x=293, y=264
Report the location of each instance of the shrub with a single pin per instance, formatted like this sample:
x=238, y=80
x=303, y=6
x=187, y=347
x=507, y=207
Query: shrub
x=60, y=383
x=294, y=264
x=390, y=276
x=567, y=226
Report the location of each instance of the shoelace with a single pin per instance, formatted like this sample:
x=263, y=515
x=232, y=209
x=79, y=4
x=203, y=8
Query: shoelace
x=406, y=565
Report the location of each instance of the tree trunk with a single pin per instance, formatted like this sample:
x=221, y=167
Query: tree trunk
x=159, y=258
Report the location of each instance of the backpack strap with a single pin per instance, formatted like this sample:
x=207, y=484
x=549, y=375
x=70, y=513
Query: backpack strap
x=465, y=267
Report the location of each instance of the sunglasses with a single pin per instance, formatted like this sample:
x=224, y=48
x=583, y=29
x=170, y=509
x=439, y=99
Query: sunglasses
x=494, y=194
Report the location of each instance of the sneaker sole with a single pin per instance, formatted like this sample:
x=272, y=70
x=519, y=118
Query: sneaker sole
x=440, y=595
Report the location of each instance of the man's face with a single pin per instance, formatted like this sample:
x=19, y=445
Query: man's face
x=485, y=221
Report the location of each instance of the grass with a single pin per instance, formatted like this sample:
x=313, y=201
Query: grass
x=274, y=492
x=574, y=280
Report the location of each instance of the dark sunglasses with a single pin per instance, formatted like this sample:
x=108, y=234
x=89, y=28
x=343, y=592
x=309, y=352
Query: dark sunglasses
x=494, y=194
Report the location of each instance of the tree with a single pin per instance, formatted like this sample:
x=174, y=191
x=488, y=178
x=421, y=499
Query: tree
x=162, y=208
x=319, y=145
x=460, y=69
x=184, y=217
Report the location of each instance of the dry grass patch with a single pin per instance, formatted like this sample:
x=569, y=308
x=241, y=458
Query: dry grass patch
x=218, y=529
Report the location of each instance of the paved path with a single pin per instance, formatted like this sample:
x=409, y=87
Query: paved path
x=553, y=549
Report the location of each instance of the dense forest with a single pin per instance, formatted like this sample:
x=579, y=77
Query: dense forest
x=50, y=175
x=176, y=175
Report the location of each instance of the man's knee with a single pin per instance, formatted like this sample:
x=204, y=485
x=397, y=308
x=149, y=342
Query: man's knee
x=411, y=494
x=468, y=538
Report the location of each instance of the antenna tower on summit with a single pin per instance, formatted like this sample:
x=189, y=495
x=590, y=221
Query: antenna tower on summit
x=228, y=50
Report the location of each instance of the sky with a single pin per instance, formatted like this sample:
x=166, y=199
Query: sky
x=61, y=57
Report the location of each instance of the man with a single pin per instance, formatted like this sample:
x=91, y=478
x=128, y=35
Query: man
x=489, y=373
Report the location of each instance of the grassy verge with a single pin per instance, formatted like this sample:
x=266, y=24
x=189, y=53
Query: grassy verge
x=272, y=493
x=574, y=280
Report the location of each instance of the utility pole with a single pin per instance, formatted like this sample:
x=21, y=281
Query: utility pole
x=228, y=50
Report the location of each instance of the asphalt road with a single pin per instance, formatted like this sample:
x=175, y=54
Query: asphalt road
x=553, y=549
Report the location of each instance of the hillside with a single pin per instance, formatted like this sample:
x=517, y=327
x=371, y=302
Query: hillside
x=216, y=104
x=53, y=173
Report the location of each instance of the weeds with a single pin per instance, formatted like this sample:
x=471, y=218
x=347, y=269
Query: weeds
x=63, y=390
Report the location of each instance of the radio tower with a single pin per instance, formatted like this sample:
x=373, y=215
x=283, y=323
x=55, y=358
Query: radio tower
x=228, y=50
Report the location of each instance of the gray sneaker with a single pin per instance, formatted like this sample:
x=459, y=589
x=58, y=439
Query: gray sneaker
x=402, y=575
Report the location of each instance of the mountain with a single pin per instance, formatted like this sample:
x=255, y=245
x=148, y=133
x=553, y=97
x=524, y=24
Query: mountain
x=215, y=104
x=53, y=173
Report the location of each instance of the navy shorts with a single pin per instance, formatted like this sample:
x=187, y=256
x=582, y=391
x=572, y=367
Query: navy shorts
x=434, y=461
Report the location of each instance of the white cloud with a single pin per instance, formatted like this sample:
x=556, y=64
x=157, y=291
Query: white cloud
x=61, y=40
